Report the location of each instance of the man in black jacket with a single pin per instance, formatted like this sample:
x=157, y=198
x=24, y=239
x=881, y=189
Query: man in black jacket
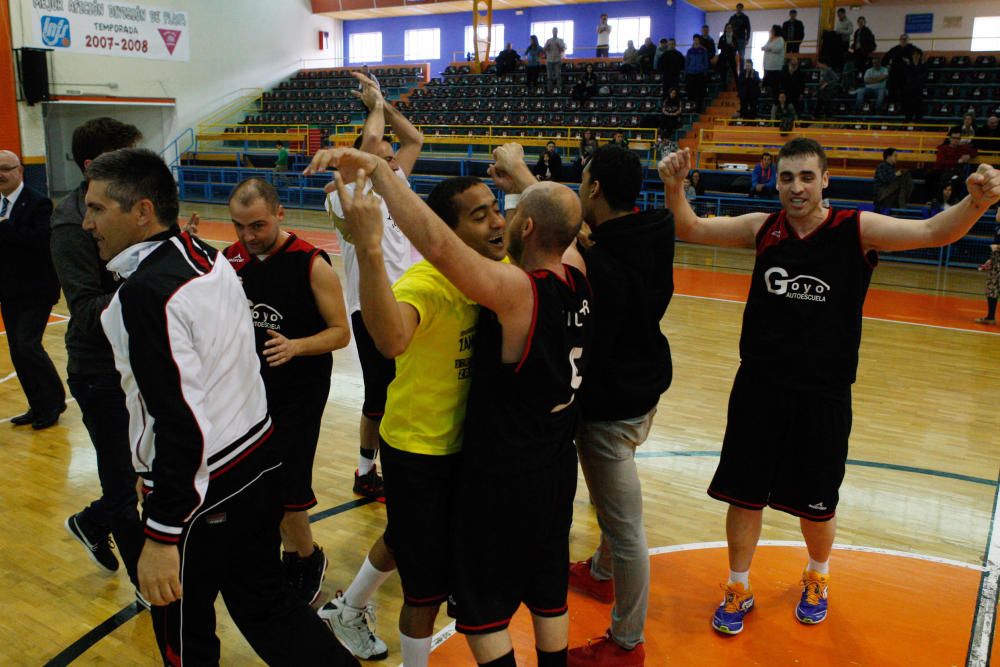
x=748, y=86
x=741, y=28
x=793, y=31
x=707, y=41
x=90, y=368
x=862, y=45
x=28, y=290
x=631, y=269
x=507, y=60
x=670, y=66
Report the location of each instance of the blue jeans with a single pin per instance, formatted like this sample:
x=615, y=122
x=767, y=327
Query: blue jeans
x=607, y=456
x=866, y=92
x=102, y=403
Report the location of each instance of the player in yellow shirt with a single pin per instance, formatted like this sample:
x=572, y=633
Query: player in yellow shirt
x=428, y=327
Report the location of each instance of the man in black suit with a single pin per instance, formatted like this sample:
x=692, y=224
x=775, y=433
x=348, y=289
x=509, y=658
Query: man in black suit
x=28, y=290
x=794, y=31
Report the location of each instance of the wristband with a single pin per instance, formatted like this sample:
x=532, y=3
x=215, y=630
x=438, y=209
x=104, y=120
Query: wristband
x=511, y=201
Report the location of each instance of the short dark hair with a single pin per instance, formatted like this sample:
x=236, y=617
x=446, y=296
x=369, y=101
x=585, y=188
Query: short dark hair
x=101, y=135
x=249, y=190
x=279, y=143
x=888, y=153
x=134, y=174
x=800, y=146
x=619, y=172
x=841, y=9
x=361, y=138
x=442, y=198
x=792, y=11
x=764, y=155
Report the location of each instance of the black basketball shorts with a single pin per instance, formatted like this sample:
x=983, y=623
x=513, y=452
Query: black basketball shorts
x=419, y=495
x=512, y=544
x=376, y=371
x=297, y=416
x=785, y=446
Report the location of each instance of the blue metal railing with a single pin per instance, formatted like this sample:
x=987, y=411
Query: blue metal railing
x=172, y=153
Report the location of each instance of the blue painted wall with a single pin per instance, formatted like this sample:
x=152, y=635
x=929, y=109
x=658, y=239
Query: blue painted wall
x=679, y=19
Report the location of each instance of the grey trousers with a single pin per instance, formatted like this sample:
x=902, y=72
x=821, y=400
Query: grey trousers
x=553, y=76
x=607, y=456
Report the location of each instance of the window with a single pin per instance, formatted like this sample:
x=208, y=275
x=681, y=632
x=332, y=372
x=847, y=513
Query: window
x=365, y=47
x=635, y=28
x=986, y=33
x=543, y=30
x=422, y=44
x=757, y=41
x=497, y=43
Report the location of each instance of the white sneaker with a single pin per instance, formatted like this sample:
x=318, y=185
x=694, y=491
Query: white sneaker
x=351, y=627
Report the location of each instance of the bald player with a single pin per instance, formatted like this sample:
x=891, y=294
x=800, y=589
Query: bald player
x=790, y=407
x=531, y=351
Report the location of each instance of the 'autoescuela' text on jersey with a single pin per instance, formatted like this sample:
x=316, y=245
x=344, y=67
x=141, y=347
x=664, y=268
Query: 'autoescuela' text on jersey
x=524, y=415
x=802, y=321
x=281, y=300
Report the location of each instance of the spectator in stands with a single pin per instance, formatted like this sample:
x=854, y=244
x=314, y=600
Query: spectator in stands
x=696, y=182
x=993, y=278
x=689, y=191
x=507, y=60
x=893, y=186
x=588, y=144
x=844, y=28
x=630, y=59
x=898, y=58
x=748, y=87
x=951, y=163
x=988, y=137
x=829, y=89
x=794, y=31
x=281, y=164
x=862, y=45
x=764, y=178
x=549, y=164
x=670, y=116
x=774, y=60
x=793, y=82
x=784, y=111
x=533, y=54
x=646, y=54
x=875, y=85
x=661, y=48
x=696, y=70
x=728, y=59
x=914, y=76
x=619, y=139
x=586, y=87
x=554, y=50
x=741, y=26
x=967, y=129
x=368, y=73
x=943, y=200
x=603, y=37
x=707, y=41
x=670, y=67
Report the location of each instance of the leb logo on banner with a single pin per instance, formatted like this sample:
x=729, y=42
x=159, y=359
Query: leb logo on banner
x=55, y=31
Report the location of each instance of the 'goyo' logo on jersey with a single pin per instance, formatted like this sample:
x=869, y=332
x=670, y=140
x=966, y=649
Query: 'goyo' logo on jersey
x=803, y=287
x=266, y=317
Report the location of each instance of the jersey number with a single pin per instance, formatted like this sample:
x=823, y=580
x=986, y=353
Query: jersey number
x=574, y=382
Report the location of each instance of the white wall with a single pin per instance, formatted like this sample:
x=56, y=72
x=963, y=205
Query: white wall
x=886, y=18
x=234, y=44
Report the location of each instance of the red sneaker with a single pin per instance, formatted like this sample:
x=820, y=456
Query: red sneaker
x=604, y=652
x=580, y=579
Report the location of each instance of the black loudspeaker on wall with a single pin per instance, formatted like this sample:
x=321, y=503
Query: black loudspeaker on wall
x=34, y=75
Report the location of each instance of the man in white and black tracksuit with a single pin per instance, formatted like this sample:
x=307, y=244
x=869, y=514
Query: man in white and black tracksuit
x=199, y=430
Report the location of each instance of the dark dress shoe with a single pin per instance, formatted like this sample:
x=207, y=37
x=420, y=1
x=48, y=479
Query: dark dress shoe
x=24, y=419
x=49, y=419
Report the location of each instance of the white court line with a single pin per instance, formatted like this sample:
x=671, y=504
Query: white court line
x=448, y=631
x=874, y=319
x=986, y=606
x=9, y=377
x=7, y=419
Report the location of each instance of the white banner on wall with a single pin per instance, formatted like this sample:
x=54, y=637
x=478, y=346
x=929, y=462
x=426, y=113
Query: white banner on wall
x=111, y=29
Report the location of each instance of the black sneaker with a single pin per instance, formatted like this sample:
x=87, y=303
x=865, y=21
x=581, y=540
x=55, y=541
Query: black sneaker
x=370, y=485
x=99, y=548
x=305, y=575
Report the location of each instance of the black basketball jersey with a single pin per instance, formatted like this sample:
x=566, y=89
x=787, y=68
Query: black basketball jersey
x=802, y=321
x=524, y=414
x=281, y=300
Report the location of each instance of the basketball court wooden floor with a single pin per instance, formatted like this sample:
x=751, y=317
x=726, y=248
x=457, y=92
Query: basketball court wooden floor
x=914, y=575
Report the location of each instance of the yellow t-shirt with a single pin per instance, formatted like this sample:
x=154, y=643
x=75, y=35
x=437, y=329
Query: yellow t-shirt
x=425, y=405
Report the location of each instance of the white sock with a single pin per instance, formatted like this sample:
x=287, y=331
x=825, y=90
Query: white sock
x=365, y=464
x=365, y=583
x=740, y=578
x=819, y=568
x=416, y=652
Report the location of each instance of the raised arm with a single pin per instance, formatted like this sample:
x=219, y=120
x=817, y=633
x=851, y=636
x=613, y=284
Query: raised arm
x=374, y=127
x=881, y=232
x=740, y=231
x=498, y=286
x=411, y=140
